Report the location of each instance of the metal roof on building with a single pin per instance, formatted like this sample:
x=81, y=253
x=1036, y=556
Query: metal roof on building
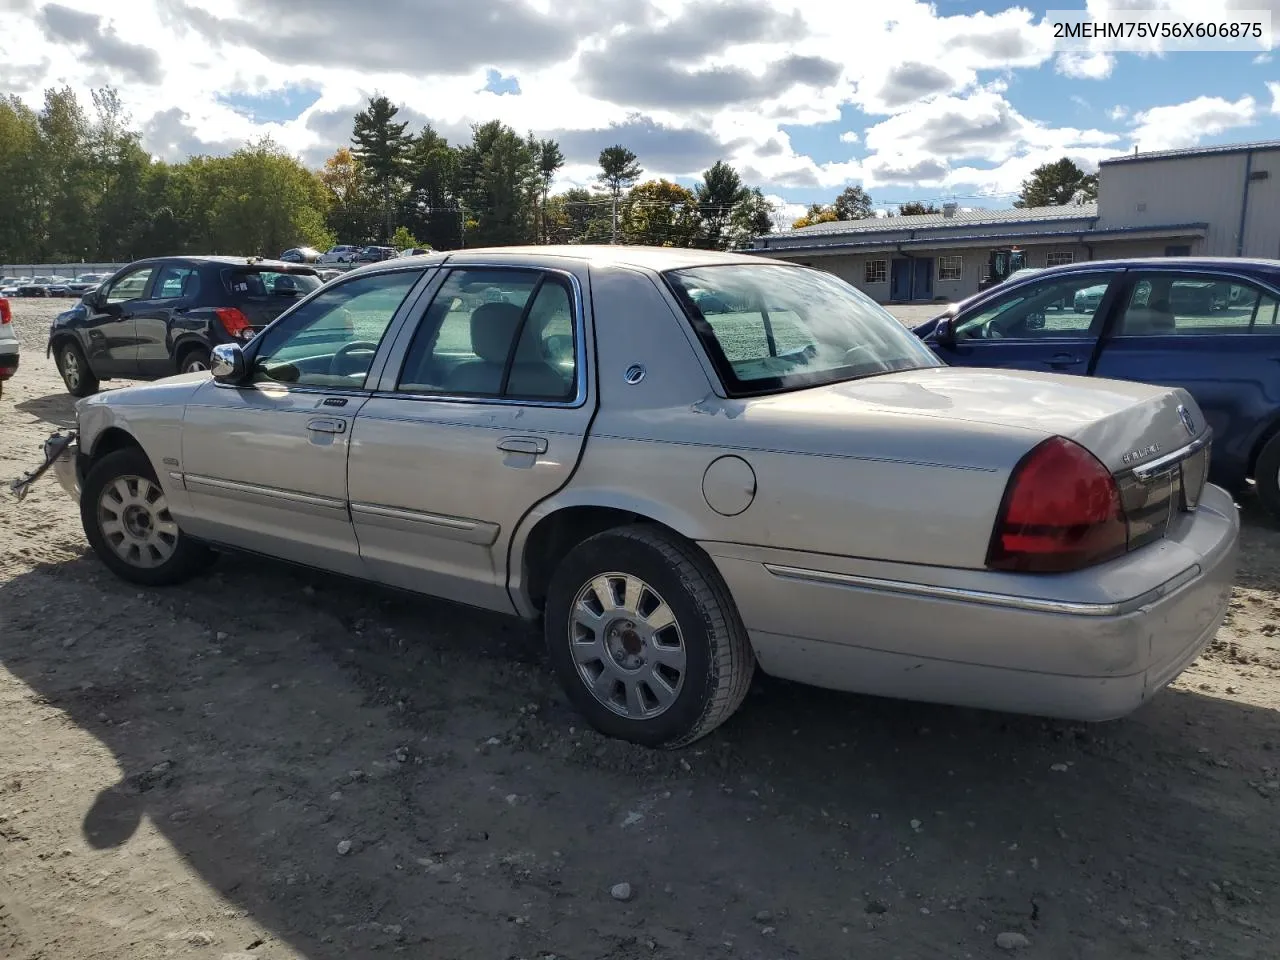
x=1195, y=152
x=966, y=218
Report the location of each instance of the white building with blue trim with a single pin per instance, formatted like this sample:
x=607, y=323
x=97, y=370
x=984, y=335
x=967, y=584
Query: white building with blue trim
x=1211, y=201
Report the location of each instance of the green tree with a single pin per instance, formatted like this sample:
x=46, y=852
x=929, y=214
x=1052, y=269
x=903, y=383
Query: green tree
x=119, y=166
x=1054, y=185
x=752, y=217
x=719, y=194
x=496, y=183
x=402, y=239
x=432, y=210
x=619, y=171
x=22, y=194
x=549, y=159
x=913, y=208
x=383, y=147
x=660, y=213
x=70, y=199
x=577, y=216
x=853, y=204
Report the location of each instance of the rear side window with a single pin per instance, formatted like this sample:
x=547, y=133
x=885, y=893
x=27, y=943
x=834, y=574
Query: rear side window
x=241, y=282
x=175, y=282
x=1190, y=305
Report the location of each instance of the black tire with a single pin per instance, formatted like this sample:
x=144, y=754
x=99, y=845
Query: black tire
x=188, y=557
x=77, y=376
x=194, y=358
x=719, y=662
x=1266, y=477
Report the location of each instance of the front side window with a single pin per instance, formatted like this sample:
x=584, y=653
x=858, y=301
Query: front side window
x=496, y=333
x=330, y=341
x=131, y=286
x=1057, y=307
x=1190, y=305
x=950, y=268
x=770, y=328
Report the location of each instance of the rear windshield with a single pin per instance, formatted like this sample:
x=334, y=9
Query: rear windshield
x=247, y=282
x=770, y=328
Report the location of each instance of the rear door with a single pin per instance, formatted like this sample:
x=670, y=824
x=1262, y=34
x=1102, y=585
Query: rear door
x=171, y=295
x=1048, y=324
x=1218, y=337
x=483, y=417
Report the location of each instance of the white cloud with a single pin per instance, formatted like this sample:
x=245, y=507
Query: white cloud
x=1186, y=124
x=1085, y=66
x=1262, y=58
x=1118, y=112
x=1274, y=87
x=682, y=82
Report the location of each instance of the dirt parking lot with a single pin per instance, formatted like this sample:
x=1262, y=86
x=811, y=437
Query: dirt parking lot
x=277, y=764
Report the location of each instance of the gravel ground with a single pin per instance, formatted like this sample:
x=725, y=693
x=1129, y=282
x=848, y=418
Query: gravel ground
x=277, y=764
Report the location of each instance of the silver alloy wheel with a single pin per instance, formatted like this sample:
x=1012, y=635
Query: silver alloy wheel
x=627, y=645
x=195, y=364
x=135, y=521
x=71, y=369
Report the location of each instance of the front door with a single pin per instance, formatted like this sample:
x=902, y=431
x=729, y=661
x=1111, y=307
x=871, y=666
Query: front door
x=900, y=279
x=111, y=334
x=922, y=283
x=485, y=418
x=264, y=465
x=1050, y=325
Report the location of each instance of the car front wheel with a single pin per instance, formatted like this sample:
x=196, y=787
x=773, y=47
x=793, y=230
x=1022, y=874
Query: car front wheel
x=194, y=360
x=74, y=368
x=645, y=638
x=127, y=522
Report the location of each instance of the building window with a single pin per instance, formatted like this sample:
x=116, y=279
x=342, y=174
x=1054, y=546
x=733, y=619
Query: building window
x=1059, y=259
x=1177, y=251
x=950, y=268
x=876, y=271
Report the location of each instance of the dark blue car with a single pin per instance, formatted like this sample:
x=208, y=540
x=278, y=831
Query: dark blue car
x=1209, y=325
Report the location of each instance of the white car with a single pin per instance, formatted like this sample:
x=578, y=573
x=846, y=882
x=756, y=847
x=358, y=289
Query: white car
x=342, y=253
x=9, y=348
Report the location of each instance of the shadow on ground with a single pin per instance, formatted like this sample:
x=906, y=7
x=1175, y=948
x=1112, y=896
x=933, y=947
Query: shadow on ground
x=266, y=715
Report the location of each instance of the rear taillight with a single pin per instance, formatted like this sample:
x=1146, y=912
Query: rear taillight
x=1061, y=511
x=6, y=315
x=233, y=321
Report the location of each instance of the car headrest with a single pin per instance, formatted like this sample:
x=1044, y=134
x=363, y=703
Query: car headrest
x=493, y=325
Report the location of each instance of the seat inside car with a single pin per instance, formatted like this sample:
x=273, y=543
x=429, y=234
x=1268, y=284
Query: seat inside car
x=492, y=327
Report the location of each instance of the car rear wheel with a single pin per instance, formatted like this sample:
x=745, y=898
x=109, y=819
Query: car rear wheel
x=1266, y=476
x=194, y=360
x=127, y=522
x=74, y=368
x=645, y=638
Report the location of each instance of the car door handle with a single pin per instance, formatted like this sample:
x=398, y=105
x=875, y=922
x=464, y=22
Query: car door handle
x=1062, y=359
x=327, y=426
x=534, y=445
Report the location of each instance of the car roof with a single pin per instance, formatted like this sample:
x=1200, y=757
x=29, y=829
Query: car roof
x=600, y=255
x=282, y=265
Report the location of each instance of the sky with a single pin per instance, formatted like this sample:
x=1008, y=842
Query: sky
x=914, y=101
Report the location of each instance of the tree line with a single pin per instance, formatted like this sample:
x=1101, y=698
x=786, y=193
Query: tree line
x=1050, y=185
x=76, y=184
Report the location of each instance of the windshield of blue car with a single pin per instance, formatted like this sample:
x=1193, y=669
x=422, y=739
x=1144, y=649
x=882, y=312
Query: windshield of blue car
x=771, y=328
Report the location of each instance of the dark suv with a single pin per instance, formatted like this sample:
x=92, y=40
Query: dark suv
x=162, y=316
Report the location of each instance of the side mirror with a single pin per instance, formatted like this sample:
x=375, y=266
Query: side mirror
x=227, y=363
x=944, y=332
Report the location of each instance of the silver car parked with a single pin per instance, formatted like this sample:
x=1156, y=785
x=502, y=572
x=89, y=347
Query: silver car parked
x=686, y=464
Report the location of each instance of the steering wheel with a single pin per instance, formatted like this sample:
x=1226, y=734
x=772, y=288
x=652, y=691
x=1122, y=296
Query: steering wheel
x=335, y=365
x=857, y=348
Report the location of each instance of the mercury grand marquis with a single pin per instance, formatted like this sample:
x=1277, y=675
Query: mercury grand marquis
x=687, y=465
